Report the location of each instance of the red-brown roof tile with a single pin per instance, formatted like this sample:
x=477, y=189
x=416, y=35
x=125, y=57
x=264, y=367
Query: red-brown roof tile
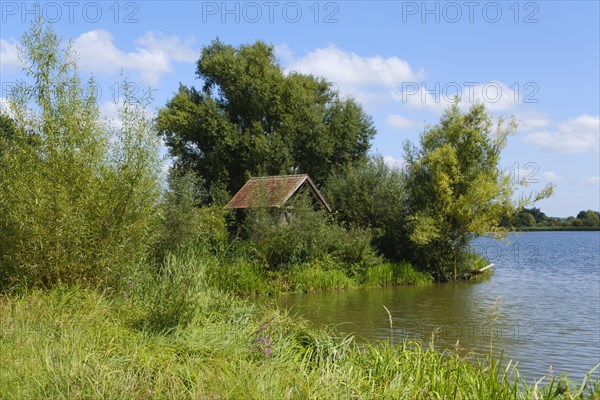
x=273, y=191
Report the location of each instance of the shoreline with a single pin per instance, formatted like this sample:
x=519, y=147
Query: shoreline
x=557, y=229
x=229, y=349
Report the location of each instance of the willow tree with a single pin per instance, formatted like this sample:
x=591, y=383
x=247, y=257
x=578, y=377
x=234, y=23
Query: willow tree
x=454, y=188
x=76, y=195
x=252, y=118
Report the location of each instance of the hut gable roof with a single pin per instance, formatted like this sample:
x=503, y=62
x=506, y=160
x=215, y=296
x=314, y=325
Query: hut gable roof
x=274, y=191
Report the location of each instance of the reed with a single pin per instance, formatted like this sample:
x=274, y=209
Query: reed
x=77, y=343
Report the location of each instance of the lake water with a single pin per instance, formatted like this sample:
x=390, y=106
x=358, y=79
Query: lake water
x=541, y=306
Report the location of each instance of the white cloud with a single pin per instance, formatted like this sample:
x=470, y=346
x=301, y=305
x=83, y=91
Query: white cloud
x=283, y=51
x=153, y=57
x=381, y=78
x=585, y=123
x=496, y=96
x=393, y=162
x=550, y=176
x=593, y=180
x=172, y=46
x=361, y=77
x=9, y=55
x=352, y=69
x=400, y=122
x=418, y=96
x=575, y=136
x=4, y=105
x=532, y=120
x=110, y=111
x=437, y=96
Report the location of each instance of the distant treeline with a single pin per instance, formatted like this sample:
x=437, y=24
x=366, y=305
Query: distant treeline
x=533, y=219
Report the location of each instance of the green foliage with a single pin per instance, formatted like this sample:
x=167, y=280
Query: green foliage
x=320, y=275
x=471, y=260
x=77, y=197
x=238, y=274
x=370, y=194
x=180, y=217
x=534, y=219
x=537, y=214
x=298, y=234
x=81, y=345
x=8, y=133
x=400, y=273
x=590, y=218
x=314, y=278
x=252, y=119
x=184, y=224
x=454, y=189
x=171, y=294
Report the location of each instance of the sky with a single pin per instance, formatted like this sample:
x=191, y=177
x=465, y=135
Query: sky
x=404, y=61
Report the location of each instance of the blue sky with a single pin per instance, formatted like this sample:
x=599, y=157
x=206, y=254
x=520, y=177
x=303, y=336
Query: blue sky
x=402, y=60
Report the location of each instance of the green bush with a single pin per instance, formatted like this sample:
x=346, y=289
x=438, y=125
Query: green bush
x=184, y=224
x=370, y=194
x=454, y=189
x=471, y=260
x=77, y=196
x=406, y=274
x=298, y=234
x=379, y=275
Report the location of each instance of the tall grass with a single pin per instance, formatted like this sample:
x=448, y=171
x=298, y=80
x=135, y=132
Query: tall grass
x=401, y=273
x=239, y=275
x=77, y=343
x=171, y=295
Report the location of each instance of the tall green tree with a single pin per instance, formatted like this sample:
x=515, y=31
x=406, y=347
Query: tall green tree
x=590, y=218
x=369, y=194
x=454, y=188
x=251, y=118
x=77, y=197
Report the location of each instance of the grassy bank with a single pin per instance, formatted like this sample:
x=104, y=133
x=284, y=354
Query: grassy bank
x=243, y=275
x=77, y=343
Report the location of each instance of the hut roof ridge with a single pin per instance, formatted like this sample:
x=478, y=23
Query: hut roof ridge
x=273, y=191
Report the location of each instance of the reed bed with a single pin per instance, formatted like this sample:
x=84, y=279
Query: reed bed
x=178, y=338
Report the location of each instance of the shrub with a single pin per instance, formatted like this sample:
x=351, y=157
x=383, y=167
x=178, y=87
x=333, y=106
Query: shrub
x=298, y=234
x=369, y=194
x=454, y=188
x=471, y=260
x=77, y=196
x=379, y=275
x=406, y=274
x=186, y=225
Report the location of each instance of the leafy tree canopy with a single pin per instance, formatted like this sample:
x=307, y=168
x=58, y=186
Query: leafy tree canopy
x=454, y=189
x=252, y=118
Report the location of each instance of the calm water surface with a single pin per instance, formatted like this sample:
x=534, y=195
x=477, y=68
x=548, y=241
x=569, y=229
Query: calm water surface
x=541, y=305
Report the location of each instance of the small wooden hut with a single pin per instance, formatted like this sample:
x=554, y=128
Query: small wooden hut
x=276, y=191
